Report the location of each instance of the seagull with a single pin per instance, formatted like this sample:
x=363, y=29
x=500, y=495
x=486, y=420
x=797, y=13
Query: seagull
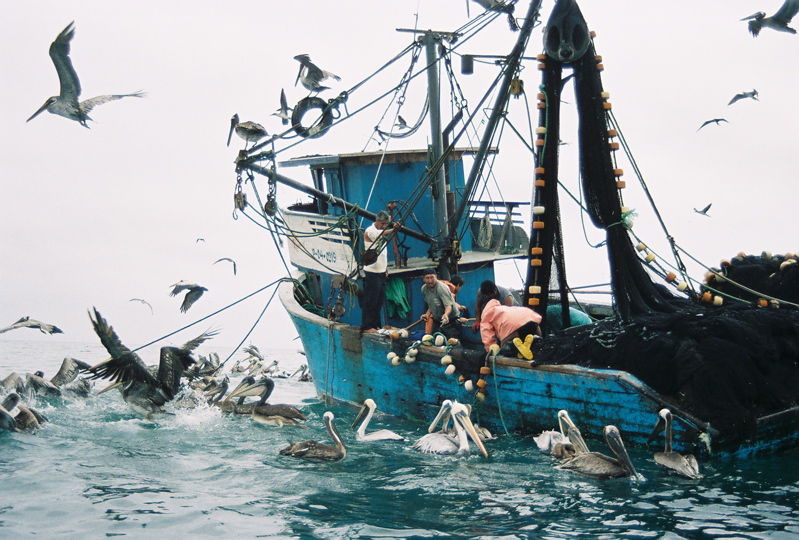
x=311, y=75
x=779, y=21
x=744, y=95
x=716, y=120
x=66, y=103
x=401, y=123
x=249, y=131
x=704, y=210
x=27, y=322
x=200, y=239
x=194, y=294
x=143, y=302
x=230, y=260
x=283, y=111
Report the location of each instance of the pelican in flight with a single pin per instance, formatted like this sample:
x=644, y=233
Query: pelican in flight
x=367, y=411
x=27, y=322
x=598, y=465
x=559, y=442
x=442, y=442
x=230, y=261
x=145, y=302
x=262, y=389
x=194, y=293
x=714, y=120
x=316, y=451
x=704, y=210
x=66, y=103
x=145, y=389
x=283, y=111
x=779, y=21
x=311, y=75
x=744, y=95
x=673, y=461
x=249, y=131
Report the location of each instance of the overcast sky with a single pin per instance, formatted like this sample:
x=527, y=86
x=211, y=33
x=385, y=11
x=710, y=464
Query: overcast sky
x=95, y=217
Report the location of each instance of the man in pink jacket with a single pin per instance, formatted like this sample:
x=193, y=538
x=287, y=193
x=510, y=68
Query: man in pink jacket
x=509, y=324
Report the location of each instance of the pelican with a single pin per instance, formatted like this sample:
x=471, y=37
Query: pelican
x=311, y=76
x=316, y=451
x=672, y=461
x=704, y=210
x=67, y=379
x=37, y=384
x=144, y=389
x=441, y=442
x=12, y=383
x=230, y=261
x=779, y=21
x=262, y=388
x=557, y=442
x=66, y=103
x=283, y=111
x=7, y=422
x=27, y=322
x=365, y=414
x=274, y=420
x=194, y=293
x=303, y=374
x=249, y=131
x=744, y=95
x=27, y=419
x=598, y=465
x=714, y=120
x=145, y=302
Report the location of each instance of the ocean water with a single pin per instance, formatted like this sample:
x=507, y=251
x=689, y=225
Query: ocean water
x=99, y=470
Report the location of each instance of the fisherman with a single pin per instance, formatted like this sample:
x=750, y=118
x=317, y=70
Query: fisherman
x=455, y=284
x=510, y=329
x=442, y=309
x=488, y=290
x=375, y=276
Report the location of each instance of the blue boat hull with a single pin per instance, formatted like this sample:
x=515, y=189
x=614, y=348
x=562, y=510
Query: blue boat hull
x=520, y=397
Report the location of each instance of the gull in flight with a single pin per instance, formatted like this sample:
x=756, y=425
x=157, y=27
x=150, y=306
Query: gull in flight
x=66, y=103
x=27, y=322
x=283, y=111
x=779, y=21
x=744, y=95
x=194, y=293
x=145, y=302
x=704, y=210
x=311, y=75
x=716, y=120
x=230, y=260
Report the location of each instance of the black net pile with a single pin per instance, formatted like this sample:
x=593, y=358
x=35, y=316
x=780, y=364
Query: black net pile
x=776, y=276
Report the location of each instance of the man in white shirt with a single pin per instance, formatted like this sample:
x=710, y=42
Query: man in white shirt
x=375, y=276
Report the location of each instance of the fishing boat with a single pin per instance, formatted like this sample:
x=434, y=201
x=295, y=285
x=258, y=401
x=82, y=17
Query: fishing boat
x=726, y=370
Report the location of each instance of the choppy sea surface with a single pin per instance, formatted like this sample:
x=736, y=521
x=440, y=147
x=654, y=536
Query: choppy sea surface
x=97, y=469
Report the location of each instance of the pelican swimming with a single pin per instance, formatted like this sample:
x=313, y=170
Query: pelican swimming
x=303, y=374
x=441, y=442
x=194, y=293
x=249, y=131
x=66, y=103
x=230, y=261
x=66, y=379
x=27, y=322
x=283, y=111
x=598, y=465
x=263, y=389
x=673, y=461
x=274, y=420
x=779, y=21
x=744, y=95
x=145, y=389
x=311, y=75
x=367, y=411
x=316, y=451
x=558, y=443
x=7, y=422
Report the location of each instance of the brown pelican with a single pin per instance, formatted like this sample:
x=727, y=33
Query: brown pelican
x=311, y=76
x=194, y=293
x=145, y=302
x=144, y=389
x=26, y=419
x=7, y=422
x=441, y=442
x=303, y=374
x=672, y=461
x=229, y=260
x=12, y=383
x=38, y=385
x=704, y=210
x=558, y=443
x=365, y=414
x=274, y=420
x=27, y=322
x=283, y=111
x=263, y=389
x=67, y=379
x=598, y=465
x=249, y=131
x=66, y=103
x=779, y=21
x=744, y=95
x=316, y=451
x=714, y=120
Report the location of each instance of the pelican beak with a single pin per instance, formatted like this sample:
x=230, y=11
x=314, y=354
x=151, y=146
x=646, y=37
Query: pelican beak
x=568, y=428
x=659, y=427
x=466, y=423
x=360, y=416
x=442, y=416
x=110, y=387
x=100, y=364
x=233, y=122
x=298, y=73
x=246, y=388
x=42, y=108
x=615, y=443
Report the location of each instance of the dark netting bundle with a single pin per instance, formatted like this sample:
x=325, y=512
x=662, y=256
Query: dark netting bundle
x=744, y=276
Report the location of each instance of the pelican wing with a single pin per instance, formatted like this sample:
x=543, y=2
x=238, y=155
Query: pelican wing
x=70, y=368
x=124, y=364
x=59, y=53
x=173, y=361
x=252, y=350
x=192, y=296
x=190, y=346
x=787, y=11
x=88, y=104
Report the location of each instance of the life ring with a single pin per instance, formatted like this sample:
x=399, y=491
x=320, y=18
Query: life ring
x=319, y=127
